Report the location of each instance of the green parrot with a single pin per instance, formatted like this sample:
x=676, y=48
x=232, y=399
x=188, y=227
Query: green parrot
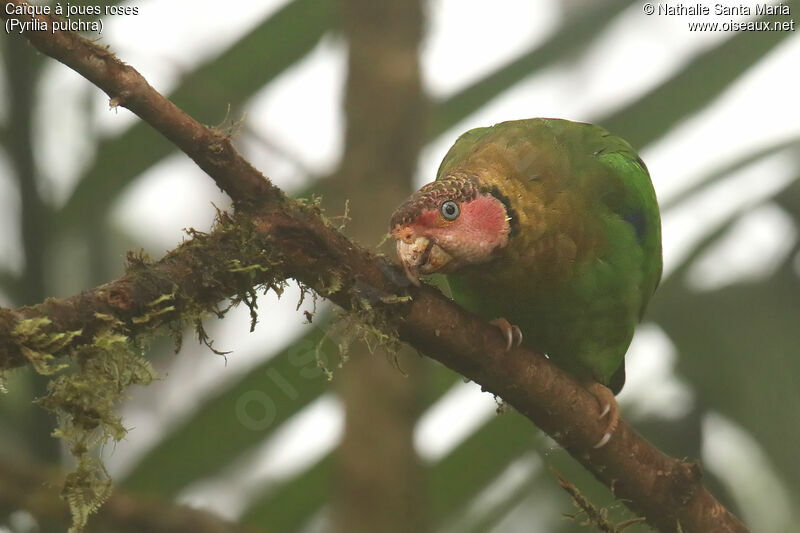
x=551, y=230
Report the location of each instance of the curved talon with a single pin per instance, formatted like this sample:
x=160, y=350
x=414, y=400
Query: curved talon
x=603, y=441
x=517, y=334
x=511, y=333
x=509, y=339
x=608, y=407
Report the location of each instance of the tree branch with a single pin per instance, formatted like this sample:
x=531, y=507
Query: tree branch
x=279, y=238
x=209, y=148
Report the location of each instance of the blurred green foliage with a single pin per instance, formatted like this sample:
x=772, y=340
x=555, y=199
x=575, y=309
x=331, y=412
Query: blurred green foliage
x=736, y=344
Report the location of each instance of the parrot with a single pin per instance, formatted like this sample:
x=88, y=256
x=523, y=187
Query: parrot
x=550, y=230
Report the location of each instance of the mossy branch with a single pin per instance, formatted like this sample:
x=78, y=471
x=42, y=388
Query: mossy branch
x=292, y=240
x=184, y=286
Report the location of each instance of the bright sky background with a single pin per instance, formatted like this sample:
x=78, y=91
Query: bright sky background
x=301, y=113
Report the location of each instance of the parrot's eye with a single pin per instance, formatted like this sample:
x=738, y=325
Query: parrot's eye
x=450, y=210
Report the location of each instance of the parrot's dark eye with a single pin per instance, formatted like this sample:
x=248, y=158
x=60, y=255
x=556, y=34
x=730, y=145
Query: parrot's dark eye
x=450, y=210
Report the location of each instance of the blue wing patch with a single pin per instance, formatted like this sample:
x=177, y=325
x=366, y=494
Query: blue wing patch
x=638, y=221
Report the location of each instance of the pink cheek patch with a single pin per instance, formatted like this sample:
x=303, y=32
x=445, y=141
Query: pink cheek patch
x=428, y=219
x=487, y=217
x=480, y=229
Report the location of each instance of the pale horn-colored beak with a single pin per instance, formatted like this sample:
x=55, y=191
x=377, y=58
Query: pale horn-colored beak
x=420, y=256
x=412, y=257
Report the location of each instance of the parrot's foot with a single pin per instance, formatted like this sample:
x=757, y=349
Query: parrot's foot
x=608, y=407
x=512, y=334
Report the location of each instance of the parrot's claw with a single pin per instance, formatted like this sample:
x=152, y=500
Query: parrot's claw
x=608, y=407
x=603, y=441
x=511, y=333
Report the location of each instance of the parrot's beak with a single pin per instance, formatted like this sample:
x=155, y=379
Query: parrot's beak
x=419, y=256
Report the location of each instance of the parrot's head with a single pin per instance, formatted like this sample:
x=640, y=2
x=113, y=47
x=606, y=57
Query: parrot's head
x=447, y=225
